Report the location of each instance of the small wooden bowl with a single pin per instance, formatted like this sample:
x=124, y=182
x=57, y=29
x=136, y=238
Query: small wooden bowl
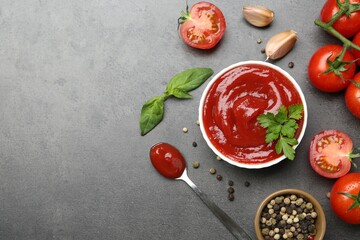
x=320, y=222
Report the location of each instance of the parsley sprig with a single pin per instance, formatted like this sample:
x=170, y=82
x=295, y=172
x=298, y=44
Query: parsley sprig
x=282, y=128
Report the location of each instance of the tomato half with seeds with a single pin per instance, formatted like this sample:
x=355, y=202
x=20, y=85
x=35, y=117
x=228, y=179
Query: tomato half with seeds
x=330, y=153
x=203, y=26
x=345, y=198
x=348, y=26
x=352, y=96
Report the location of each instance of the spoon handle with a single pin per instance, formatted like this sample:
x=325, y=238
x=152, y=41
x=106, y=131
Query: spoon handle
x=229, y=223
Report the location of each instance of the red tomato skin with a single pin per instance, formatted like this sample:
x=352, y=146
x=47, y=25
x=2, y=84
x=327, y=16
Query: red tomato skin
x=347, y=26
x=213, y=38
x=352, y=97
x=342, y=152
x=355, y=52
x=329, y=82
x=340, y=204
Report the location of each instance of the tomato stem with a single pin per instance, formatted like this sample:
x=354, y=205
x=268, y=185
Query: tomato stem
x=344, y=8
x=356, y=199
x=355, y=83
x=338, y=35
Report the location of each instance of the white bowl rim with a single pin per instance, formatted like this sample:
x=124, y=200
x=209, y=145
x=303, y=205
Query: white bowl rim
x=201, y=105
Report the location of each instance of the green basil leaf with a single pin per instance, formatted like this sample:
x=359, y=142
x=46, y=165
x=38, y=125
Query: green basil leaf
x=151, y=115
x=178, y=93
x=189, y=79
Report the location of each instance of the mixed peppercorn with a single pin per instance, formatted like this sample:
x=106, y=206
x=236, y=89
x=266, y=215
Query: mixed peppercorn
x=288, y=217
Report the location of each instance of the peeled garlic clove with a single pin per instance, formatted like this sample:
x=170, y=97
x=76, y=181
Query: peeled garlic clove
x=280, y=44
x=258, y=16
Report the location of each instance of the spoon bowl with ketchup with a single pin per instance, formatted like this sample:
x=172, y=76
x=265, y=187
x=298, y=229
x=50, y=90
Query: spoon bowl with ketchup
x=170, y=163
x=231, y=103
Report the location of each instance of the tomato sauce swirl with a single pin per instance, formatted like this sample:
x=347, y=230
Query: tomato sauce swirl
x=232, y=105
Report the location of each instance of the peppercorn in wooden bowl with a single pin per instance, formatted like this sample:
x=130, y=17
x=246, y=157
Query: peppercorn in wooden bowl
x=290, y=214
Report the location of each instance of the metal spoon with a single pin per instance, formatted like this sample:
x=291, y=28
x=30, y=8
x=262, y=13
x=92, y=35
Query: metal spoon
x=170, y=163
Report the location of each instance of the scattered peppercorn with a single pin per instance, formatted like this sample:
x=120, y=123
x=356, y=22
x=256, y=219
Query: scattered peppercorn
x=197, y=122
x=185, y=130
x=231, y=190
x=218, y=158
x=263, y=50
x=212, y=170
x=230, y=183
x=219, y=177
x=247, y=184
x=196, y=164
x=291, y=65
x=259, y=41
x=194, y=144
x=231, y=197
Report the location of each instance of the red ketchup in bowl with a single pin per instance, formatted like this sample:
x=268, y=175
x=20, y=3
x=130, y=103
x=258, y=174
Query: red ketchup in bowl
x=233, y=103
x=167, y=160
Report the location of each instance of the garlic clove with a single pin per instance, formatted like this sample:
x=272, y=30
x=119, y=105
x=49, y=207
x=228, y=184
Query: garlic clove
x=280, y=44
x=258, y=16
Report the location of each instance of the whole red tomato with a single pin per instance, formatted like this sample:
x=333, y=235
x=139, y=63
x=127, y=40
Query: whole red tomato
x=328, y=75
x=348, y=26
x=356, y=53
x=352, y=96
x=345, y=198
x=203, y=26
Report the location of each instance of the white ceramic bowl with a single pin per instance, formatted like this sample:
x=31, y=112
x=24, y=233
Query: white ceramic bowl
x=232, y=161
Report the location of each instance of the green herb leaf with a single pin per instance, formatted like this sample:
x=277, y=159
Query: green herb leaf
x=178, y=93
x=151, y=115
x=282, y=127
x=289, y=128
x=152, y=111
x=288, y=150
x=281, y=116
x=189, y=79
x=295, y=111
x=266, y=120
x=271, y=136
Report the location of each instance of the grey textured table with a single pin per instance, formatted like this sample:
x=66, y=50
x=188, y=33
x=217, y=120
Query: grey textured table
x=73, y=78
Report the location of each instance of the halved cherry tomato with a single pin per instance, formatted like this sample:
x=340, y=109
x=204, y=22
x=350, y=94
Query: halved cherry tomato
x=348, y=26
x=345, y=198
x=202, y=27
x=352, y=96
x=330, y=153
x=356, y=53
x=323, y=60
